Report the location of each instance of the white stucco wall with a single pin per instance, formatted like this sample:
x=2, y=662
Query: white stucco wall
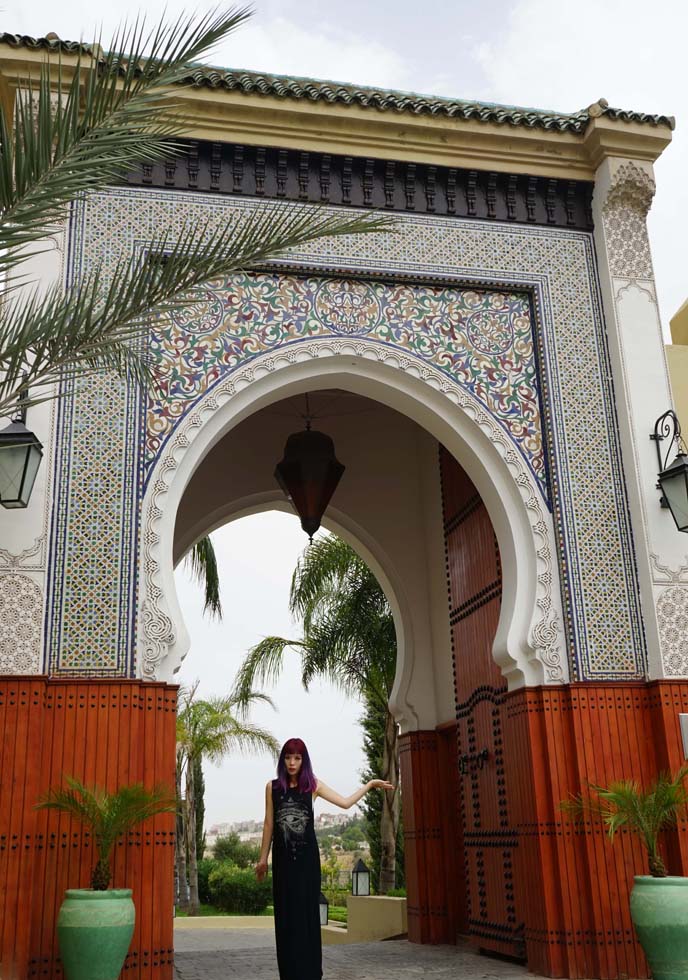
x=623, y=195
x=24, y=532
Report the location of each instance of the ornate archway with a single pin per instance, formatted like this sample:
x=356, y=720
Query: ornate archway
x=529, y=641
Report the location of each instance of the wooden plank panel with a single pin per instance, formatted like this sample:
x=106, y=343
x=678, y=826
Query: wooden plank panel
x=50, y=728
x=474, y=589
x=452, y=831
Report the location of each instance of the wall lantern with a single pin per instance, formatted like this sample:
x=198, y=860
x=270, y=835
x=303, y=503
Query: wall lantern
x=308, y=474
x=360, y=878
x=672, y=479
x=324, y=907
x=20, y=457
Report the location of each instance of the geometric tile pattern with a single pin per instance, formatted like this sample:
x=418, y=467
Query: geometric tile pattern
x=556, y=267
x=21, y=615
x=482, y=339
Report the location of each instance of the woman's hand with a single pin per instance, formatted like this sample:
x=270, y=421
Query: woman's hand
x=380, y=784
x=261, y=870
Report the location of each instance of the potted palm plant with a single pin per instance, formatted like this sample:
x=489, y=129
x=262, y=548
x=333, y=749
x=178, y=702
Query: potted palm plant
x=659, y=902
x=95, y=924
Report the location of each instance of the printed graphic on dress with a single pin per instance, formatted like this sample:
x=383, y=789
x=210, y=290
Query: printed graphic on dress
x=292, y=820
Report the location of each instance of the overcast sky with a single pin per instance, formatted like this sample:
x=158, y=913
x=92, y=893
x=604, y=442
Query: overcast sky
x=556, y=54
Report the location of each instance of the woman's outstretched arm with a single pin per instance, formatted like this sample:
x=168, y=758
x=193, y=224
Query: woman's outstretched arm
x=262, y=866
x=346, y=802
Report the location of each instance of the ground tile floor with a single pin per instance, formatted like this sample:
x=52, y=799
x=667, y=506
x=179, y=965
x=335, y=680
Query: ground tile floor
x=249, y=954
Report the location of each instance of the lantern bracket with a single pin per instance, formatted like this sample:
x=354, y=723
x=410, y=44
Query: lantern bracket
x=668, y=427
x=22, y=404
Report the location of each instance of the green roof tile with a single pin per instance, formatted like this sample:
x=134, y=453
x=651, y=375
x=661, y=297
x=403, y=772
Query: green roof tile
x=384, y=100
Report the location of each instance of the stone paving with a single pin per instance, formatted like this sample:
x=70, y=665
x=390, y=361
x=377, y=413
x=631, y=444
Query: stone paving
x=249, y=954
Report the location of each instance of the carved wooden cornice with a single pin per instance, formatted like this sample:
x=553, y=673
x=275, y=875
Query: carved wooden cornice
x=386, y=185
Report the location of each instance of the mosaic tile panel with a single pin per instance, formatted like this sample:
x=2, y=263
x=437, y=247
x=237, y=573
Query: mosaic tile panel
x=481, y=339
x=589, y=501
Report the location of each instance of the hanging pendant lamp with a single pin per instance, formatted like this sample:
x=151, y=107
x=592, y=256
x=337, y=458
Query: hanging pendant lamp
x=309, y=474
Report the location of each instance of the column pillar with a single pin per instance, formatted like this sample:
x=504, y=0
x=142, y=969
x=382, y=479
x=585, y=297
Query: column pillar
x=624, y=189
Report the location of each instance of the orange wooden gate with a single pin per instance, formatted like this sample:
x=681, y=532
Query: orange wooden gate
x=474, y=580
x=103, y=732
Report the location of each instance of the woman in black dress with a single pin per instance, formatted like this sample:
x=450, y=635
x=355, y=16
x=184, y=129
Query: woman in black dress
x=295, y=858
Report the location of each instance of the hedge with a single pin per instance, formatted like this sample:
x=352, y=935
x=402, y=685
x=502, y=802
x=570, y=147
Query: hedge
x=205, y=866
x=236, y=889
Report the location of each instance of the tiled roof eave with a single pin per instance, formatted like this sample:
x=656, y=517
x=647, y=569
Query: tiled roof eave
x=314, y=90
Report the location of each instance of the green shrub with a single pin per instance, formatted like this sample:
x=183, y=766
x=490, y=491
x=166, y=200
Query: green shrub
x=205, y=866
x=336, y=896
x=238, y=890
x=230, y=848
x=397, y=893
x=336, y=913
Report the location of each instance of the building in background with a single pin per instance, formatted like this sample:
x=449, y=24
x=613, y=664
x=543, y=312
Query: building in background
x=677, y=360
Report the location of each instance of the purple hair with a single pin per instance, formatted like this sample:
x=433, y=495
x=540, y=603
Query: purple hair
x=307, y=782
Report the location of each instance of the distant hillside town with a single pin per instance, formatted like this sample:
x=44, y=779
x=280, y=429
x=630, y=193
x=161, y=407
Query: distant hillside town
x=251, y=830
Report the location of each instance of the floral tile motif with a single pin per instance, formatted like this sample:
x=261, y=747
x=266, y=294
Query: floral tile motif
x=482, y=339
x=579, y=426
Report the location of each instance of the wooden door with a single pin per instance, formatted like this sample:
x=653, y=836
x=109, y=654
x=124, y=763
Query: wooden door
x=474, y=581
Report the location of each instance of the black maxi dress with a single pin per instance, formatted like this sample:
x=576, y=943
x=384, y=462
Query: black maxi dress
x=296, y=886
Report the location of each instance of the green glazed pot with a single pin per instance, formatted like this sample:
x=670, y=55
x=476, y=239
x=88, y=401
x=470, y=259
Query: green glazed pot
x=659, y=908
x=94, y=930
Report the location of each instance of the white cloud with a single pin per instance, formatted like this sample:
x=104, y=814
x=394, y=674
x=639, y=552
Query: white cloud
x=282, y=46
x=565, y=56
x=279, y=45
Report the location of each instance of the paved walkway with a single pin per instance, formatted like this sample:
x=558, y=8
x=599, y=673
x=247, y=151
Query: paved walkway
x=249, y=954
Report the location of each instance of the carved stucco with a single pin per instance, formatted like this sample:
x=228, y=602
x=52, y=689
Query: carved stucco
x=671, y=603
x=21, y=615
x=624, y=214
x=545, y=637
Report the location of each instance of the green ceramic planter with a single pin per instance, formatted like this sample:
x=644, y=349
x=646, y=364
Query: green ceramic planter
x=659, y=908
x=94, y=930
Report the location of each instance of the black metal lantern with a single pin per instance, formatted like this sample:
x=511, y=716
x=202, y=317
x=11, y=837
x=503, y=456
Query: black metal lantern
x=360, y=878
x=672, y=480
x=324, y=909
x=20, y=456
x=308, y=474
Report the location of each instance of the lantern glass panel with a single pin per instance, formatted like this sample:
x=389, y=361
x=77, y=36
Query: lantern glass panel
x=674, y=483
x=324, y=907
x=360, y=878
x=18, y=468
x=361, y=883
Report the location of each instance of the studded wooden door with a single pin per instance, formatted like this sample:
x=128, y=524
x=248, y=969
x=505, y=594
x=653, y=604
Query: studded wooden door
x=474, y=582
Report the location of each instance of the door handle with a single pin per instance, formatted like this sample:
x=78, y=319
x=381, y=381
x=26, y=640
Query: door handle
x=471, y=762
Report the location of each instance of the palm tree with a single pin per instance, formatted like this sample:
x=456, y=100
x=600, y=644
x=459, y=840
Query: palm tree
x=210, y=729
x=81, y=127
x=645, y=812
x=201, y=561
x=107, y=815
x=348, y=639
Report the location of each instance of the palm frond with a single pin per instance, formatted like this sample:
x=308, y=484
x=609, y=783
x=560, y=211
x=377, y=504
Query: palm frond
x=209, y=728
x=80, y=127
x=262, y=664
x=644, y=812
x=202, y=562
x=95, y=327
x=108, y=815
x=348, y=630
x=324, y=566
x=241, y=706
